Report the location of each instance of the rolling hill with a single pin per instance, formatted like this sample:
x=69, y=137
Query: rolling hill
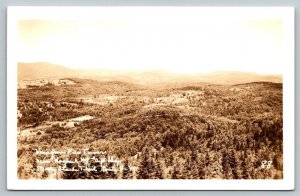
x=41, y=70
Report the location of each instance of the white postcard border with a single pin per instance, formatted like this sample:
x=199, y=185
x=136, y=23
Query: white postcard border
x=287, y=183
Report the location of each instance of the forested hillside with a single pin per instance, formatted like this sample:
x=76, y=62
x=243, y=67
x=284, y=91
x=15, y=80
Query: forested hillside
x=190, y=131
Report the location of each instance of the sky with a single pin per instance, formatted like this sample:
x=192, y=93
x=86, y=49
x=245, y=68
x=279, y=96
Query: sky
x=185, y=41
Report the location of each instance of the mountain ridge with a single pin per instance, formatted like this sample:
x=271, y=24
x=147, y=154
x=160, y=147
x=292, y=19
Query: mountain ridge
x=41, y=70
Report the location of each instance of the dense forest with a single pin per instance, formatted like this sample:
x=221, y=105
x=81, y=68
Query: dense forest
x=182, y=131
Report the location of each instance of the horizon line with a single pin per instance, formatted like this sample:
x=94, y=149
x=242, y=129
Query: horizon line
x=154, y=70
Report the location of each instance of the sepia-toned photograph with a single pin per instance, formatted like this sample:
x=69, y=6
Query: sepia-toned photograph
x=143, y=93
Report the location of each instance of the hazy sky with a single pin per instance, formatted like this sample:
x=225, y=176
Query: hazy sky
x=186, y=41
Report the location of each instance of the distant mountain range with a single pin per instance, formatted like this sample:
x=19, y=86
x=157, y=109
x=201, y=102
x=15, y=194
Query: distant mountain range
x=42, y=70
x=32, y=71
